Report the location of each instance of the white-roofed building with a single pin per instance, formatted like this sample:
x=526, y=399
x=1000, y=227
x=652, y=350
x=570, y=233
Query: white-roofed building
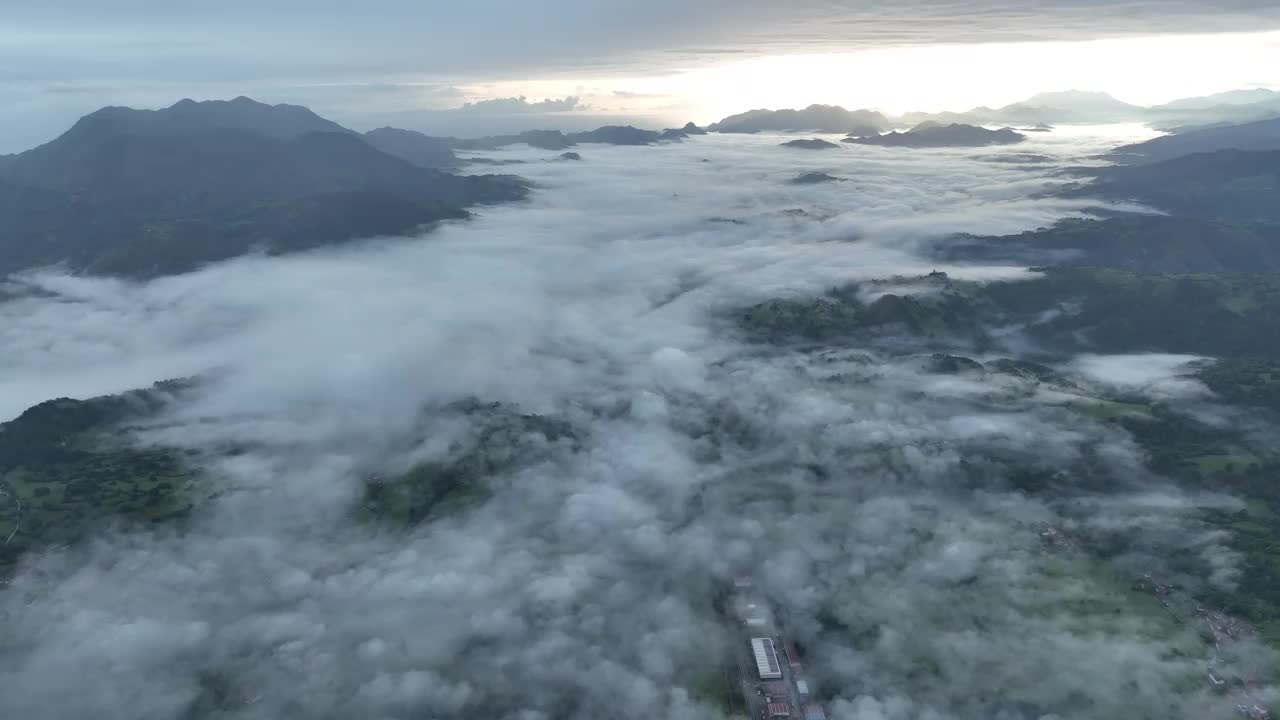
x=766, y=658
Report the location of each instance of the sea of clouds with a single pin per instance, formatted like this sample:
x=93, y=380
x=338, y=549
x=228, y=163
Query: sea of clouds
x=869, y=497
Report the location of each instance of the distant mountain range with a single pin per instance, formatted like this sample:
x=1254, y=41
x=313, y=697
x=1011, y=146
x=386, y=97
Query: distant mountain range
x=816, y=118
x=811, y=144
x=1229, y=98
x=1235, y=185
x=1072, y=106
x=152, y=192
x=439, y=152
x=1067, y=107
x=1079, y=101
x=1262, y=135
x=928, y=134
x=932, y=134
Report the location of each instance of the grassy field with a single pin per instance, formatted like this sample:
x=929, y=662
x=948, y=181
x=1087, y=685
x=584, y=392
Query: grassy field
x=1111, y=410
x=719, y=688
x=1210, y=465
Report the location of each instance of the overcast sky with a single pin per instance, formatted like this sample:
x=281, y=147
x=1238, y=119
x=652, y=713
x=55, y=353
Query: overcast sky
x=387, y=60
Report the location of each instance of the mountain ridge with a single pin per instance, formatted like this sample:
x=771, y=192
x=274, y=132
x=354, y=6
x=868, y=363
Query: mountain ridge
x=1262, y=135
x=932, y=134
x=145, y=193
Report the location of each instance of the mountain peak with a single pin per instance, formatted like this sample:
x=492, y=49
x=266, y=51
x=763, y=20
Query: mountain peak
x=282, y=122
x=821, y=118
x=1076, y=99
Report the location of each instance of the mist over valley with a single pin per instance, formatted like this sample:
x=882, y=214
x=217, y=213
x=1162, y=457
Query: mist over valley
x=970, y=415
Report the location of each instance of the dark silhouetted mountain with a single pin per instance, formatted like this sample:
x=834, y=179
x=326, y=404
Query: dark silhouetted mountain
x=816, y=118
x=421, y=150
x=1264, y=135
x=282, y=122
x=681, y=133
x=814, y=178
x=570, y=156
x=617, y=135
x=1141, y=243
x=556, y=140
x=1233, y=185
x=1016, y=158
x=929, y=135
x=927, y=125
x=141, y=198
x=814, y=144
x=544, y=139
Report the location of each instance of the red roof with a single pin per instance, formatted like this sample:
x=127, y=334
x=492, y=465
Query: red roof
x=793, y=657
x=814, y=712
x=779, y=710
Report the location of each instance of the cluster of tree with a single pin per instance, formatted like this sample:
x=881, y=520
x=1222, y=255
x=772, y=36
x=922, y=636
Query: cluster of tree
x=1255, y=535
x=841, y=314
x=68, y=467
x=502, y=439
x=1245, y=381
x=1101, y=310
x=1116, y=311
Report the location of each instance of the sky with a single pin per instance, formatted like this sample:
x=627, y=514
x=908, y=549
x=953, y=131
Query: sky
x=413, y=64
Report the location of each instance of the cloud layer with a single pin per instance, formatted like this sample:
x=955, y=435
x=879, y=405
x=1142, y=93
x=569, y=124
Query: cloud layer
x=869, y=496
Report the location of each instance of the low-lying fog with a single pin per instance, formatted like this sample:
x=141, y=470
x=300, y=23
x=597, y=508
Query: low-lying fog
x=583, y=587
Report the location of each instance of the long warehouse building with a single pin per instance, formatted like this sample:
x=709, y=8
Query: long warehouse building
x=766, y=658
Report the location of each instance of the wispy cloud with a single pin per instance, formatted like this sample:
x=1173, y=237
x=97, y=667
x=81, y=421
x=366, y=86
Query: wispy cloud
x=521, y=105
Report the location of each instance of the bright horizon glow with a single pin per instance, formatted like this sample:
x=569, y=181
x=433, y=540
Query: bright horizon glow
x=1143, y=70
x=1140, y=70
